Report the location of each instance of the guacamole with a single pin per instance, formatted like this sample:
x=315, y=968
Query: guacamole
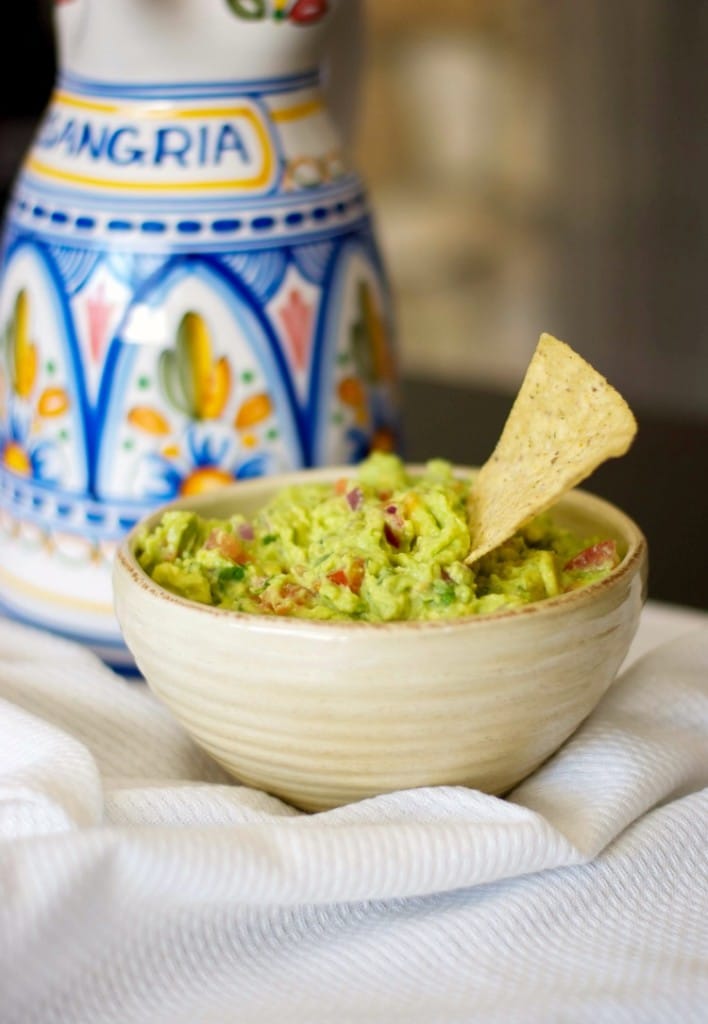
x=376, y=545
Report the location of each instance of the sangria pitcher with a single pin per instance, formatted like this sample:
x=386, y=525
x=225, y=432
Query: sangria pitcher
x=191, y=288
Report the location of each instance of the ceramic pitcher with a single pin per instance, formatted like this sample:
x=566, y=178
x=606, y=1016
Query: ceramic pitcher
x=191, y=290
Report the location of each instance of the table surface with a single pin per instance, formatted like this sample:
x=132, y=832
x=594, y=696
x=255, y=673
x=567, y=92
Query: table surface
x=662, y=482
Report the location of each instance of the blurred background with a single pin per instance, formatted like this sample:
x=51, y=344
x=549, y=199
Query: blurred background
x=542, y=165
x=534, y=165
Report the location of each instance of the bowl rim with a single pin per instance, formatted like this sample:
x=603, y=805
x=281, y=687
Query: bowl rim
x=632, y=560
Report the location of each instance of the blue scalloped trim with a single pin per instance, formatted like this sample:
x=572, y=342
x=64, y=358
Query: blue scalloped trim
x=51, y=507
x=189, y=227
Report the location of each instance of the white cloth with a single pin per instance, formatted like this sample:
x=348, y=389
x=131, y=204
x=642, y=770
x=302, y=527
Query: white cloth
x=138, y=885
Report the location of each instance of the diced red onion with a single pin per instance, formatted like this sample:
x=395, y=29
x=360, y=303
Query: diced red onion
x=354, y=498
x=391, y=537
x=245, y=531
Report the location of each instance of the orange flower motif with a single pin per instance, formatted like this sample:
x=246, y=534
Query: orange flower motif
x=149, y=420
x=207, y=478
x=53, y=402
x=16, y=459
x=351, y=392
x=254, y=410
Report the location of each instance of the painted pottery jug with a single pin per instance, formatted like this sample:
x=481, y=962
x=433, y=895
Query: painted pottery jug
x=191, y=289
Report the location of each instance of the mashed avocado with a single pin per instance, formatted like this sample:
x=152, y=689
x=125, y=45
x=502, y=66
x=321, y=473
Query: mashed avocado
x=378, y=546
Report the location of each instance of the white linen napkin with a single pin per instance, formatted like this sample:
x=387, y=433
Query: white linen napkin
x=139, y=884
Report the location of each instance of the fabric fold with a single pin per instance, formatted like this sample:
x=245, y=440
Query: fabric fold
x=646, y=743
x=49, y=782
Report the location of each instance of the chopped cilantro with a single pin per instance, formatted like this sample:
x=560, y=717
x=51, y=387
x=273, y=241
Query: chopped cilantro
x=231, y=572
x=445, y=593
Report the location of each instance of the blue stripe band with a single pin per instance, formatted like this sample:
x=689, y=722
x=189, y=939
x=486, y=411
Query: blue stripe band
x=188, y=90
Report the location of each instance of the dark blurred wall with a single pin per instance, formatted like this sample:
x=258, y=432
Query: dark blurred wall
x=543, y=165
x=26, y=76
x=26, y=72
x=631, y=81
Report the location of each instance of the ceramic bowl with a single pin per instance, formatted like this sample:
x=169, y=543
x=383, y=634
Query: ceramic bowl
x=326, y=713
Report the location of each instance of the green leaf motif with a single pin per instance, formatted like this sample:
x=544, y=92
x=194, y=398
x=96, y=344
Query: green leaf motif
x=184, y=372
x=251, y=10
x=184, y=363
x=170, y=382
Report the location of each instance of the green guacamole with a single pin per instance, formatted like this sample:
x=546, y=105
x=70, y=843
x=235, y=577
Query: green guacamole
x=378, y=546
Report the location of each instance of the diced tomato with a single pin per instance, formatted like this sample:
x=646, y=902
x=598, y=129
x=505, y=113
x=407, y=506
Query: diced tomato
x=341, y=485
x=295, y=592
x=353, y=579
x=281, y=601
x=356, y=575
x=595, y=558
x=227, y=545
x=339, y=577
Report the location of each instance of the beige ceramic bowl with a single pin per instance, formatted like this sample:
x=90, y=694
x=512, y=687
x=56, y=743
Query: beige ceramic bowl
x=323, y=714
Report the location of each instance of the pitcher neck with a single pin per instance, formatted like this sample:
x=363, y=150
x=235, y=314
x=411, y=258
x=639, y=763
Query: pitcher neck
x=132, y=46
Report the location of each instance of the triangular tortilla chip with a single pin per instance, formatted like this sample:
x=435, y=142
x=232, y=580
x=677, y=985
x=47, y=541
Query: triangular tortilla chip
x=565, y=422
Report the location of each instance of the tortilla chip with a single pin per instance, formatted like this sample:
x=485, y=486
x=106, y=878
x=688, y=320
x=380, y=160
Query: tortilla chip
x=565, y=422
